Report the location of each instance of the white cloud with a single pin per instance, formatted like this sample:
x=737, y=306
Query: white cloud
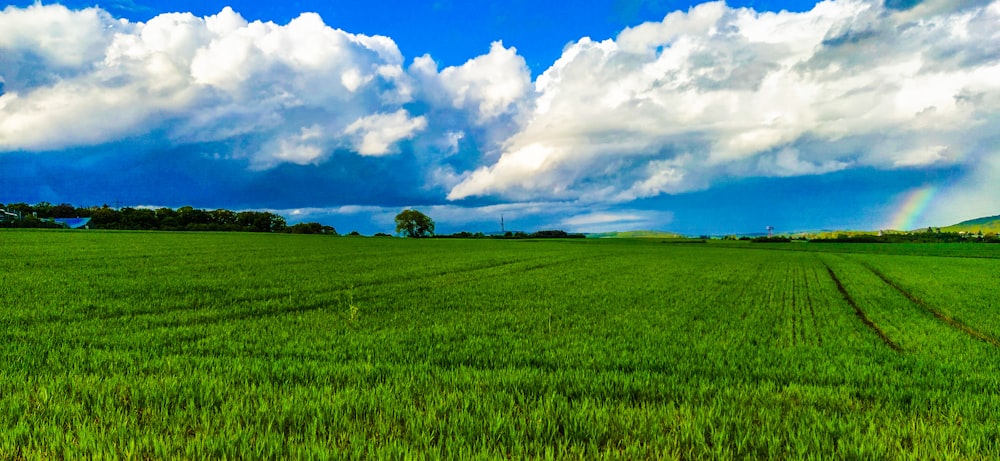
x=57, y=38
x=376, y=134
x=523, y=163
x=714, y=92
x=302, y=148
x=488, y=86
x=787, y=162
x=300, y=90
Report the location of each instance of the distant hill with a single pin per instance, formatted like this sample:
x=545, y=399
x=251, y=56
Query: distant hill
x=989, y=225
x=636, y=234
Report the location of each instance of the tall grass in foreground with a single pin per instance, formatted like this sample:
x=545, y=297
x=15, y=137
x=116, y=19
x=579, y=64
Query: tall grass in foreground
x=167, y=345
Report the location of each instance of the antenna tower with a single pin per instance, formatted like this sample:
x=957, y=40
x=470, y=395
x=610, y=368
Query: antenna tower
x=770, y=231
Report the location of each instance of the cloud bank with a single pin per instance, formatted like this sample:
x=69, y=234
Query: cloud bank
x=704, y=96
x=717, y=92
x=293, y=93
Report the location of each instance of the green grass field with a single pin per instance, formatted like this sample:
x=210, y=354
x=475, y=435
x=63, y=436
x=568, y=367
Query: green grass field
x=212, y=346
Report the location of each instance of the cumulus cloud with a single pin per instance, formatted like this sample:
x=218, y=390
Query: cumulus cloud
x=376, y=134
x=298, y=91
x=42, y=43
x=717, y=92
x=265, y=93
x=471, y=109
x=487, y=87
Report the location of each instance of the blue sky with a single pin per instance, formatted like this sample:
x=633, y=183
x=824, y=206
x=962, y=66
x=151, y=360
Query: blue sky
x=585, y=116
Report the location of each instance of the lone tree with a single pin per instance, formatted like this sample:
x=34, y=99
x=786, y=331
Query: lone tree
x=413, y=223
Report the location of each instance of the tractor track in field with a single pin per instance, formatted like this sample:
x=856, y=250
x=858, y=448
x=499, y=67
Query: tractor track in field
x=812, y=309
x=259, y=313
x=530, y=264
x=860, y=313
x=956, y=324
x=803, y=319
x=154, y=314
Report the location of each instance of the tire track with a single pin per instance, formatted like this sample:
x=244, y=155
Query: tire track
x=860, y=313
x=779, y=292
x=254, y=313
x=812, y=310
x=957, y=324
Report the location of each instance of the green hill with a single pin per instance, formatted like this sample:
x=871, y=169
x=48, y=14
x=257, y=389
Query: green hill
x=988, y=225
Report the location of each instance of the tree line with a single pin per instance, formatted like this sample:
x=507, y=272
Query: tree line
x=912, y=237
x=409, y=223
x=542, y=234
x=185, y=218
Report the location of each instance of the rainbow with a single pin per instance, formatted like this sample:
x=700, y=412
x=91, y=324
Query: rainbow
x=911, y=208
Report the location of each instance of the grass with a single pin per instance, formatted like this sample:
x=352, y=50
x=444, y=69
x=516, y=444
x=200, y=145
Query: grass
x=201, y=345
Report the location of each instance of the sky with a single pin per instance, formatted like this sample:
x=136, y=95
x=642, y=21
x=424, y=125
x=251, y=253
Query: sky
x=586, y=116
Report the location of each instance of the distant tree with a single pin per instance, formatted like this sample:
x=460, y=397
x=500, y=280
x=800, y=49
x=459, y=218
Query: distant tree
x=311, y=228
x=138, y=218
x=167, y=218
x=105, y=217
x=184, y=218
x=63, y=210
x=277, y=223
x=550, y=234
x=30, y=221
x=771, y=240
x=193, y=218
x=42, y=210
x=413, y=223
x=23, y=208
x=258, y=221
x=223, y=218
x=554, y=234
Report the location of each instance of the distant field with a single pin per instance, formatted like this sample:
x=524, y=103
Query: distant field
x=204, y=345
